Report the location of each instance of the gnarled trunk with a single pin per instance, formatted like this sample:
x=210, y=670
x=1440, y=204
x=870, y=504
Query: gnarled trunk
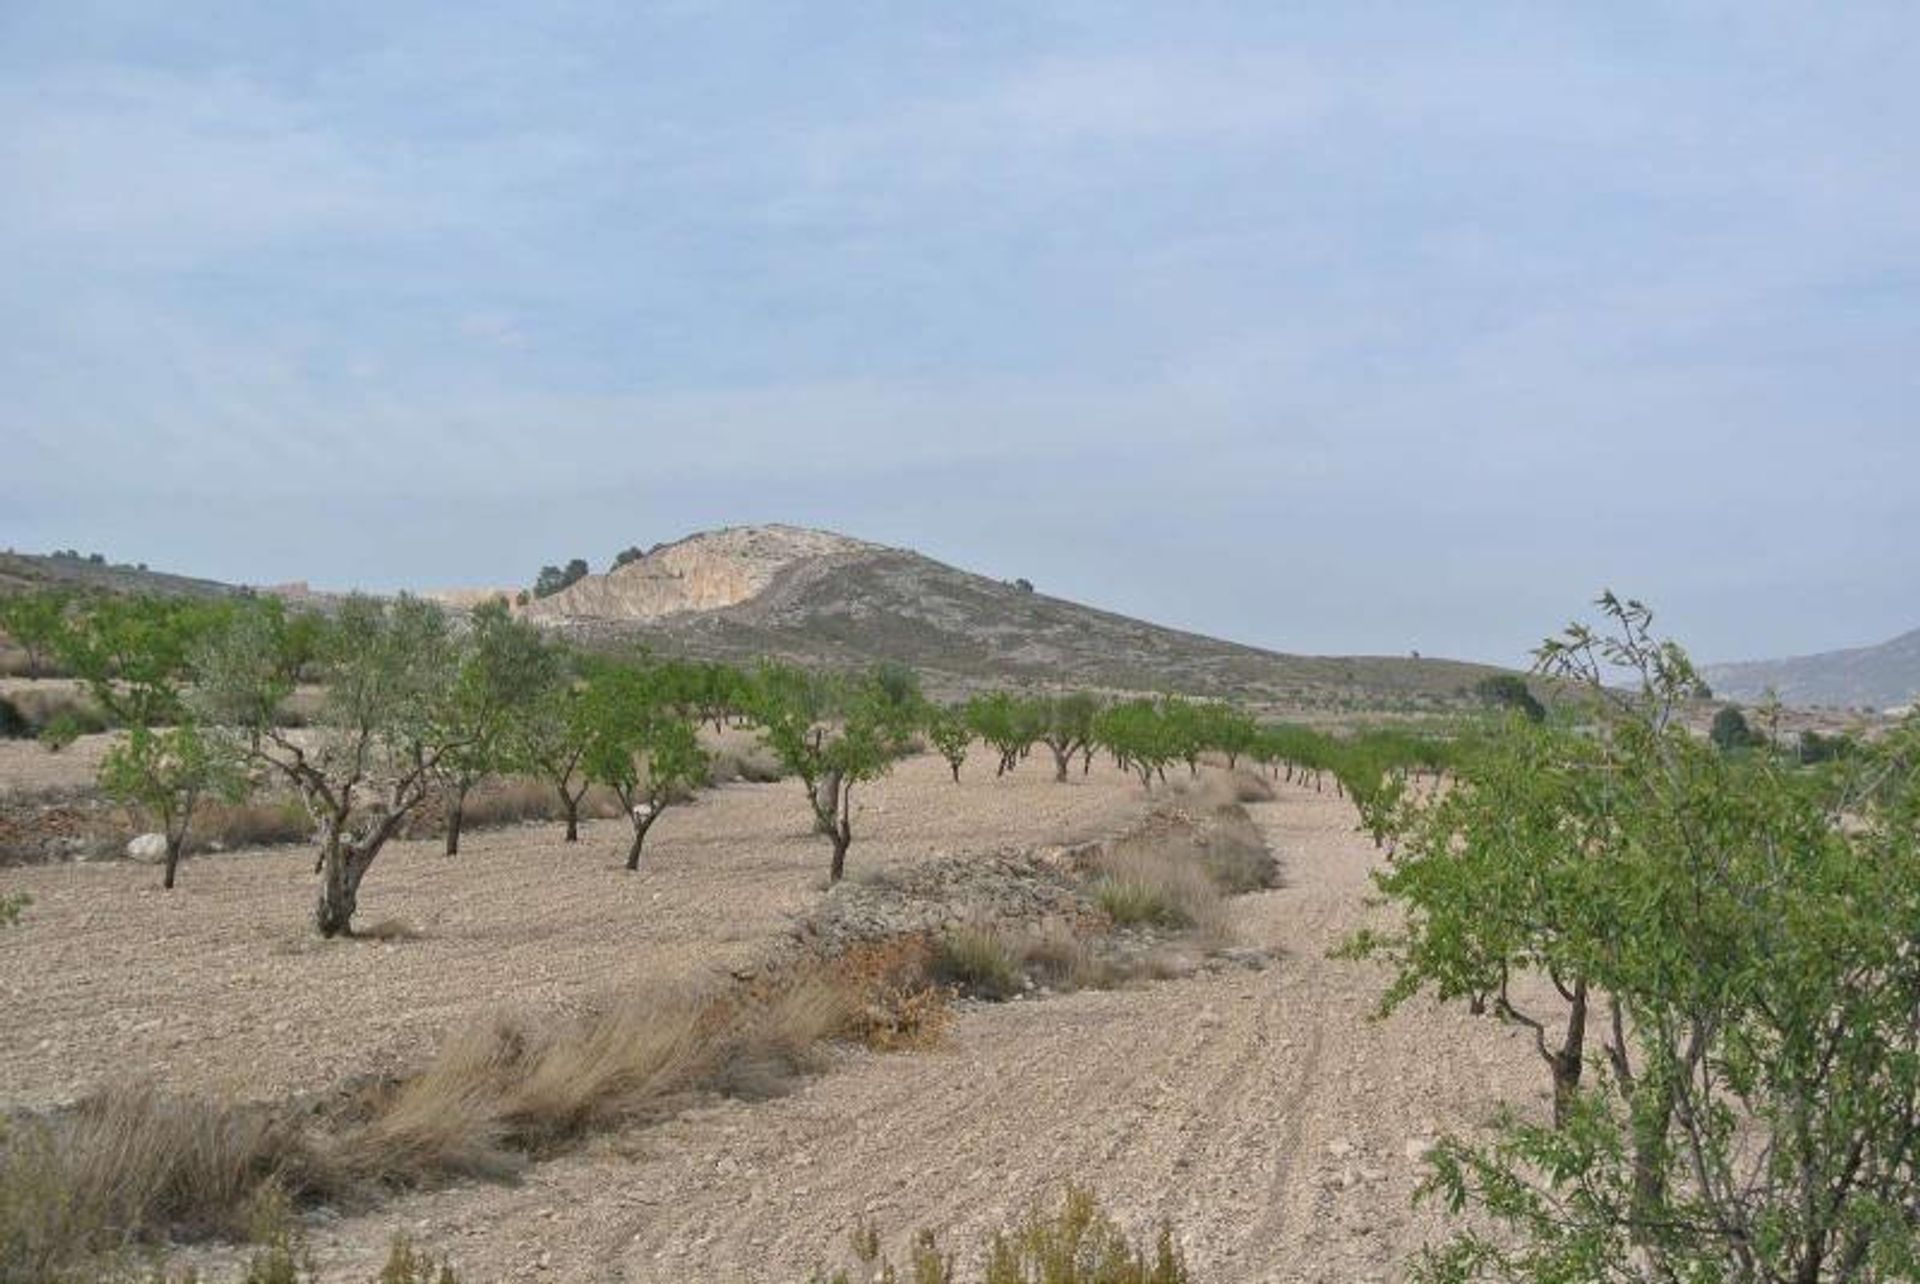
x=571, y=806
x=1061, y=757
x=343, y=865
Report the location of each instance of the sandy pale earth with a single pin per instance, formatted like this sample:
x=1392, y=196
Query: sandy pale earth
x=1262, y=1113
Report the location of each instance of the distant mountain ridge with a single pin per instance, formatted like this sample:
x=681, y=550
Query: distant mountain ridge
x=822, y=599
x=1885, y=676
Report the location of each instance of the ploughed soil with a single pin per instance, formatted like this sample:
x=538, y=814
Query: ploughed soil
x=1264, y=1114
x=222, y=985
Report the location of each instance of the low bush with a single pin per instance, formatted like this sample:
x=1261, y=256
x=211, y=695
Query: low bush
x=1077, y=1243
x=132, y=1164
x=977, y=961
x=13, y=723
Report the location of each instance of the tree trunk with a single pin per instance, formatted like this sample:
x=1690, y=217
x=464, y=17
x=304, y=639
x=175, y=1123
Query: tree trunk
x=175, y=843
x=1567, y=1062
x=842, y=839
x=1086, y=761
x=830, y=790
x=572, y=808
x=344, y=867
x=640, y=827
x=841, y=831
x=955, y=768
x=456, y=815
x=1060, y=760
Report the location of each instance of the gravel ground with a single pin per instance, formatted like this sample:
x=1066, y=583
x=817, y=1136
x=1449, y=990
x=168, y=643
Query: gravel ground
x=221, y=985
x=1264, y=1114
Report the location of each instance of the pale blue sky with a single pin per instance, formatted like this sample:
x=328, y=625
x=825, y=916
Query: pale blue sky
x=1331, y=327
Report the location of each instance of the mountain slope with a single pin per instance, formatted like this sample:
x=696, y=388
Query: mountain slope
x=819, y=598
x=1877, y=677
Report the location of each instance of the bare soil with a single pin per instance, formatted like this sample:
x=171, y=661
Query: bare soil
x=221, y=984
x=1264, y=1114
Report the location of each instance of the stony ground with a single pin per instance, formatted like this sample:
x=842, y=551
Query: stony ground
x=221, y=984
x=1263, y=1113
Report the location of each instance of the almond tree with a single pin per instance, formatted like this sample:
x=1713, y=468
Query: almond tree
x=1066, y=727
x=503, y=666
x=639, y=744
x=833, y=734
x=134, y=654
x=1008, y=723
x=947, y=728
x=382, y=730
x=548, y=740
x=1734, y=932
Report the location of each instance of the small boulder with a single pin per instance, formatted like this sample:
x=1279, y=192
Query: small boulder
x=148, y=849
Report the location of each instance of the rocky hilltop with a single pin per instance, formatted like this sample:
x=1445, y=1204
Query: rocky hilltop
x=704, y=572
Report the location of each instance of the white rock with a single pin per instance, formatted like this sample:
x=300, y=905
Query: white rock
x=1418, y=1148
x=149, y=849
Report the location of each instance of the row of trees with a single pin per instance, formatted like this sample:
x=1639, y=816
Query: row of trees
x=405, y=705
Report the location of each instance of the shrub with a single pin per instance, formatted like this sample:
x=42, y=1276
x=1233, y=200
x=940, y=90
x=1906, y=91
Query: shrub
x=13, y=723
x=61, y=732
x=1077, y=1244
x=979, y=961
x=131, y=1164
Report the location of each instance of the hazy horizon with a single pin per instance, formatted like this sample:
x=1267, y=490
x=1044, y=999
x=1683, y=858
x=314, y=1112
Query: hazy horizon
x=1329, y=329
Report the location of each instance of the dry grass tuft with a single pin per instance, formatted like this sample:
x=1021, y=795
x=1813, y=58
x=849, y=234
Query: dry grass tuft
x=132, y=1164
x=980, y=961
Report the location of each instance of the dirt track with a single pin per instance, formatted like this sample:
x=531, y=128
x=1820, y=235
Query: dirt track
x=1262, y=1113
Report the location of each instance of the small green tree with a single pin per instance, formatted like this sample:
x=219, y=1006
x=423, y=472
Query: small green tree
x=35, y=622
x=135, y=655
x=1510, y=691
x=639, y=744
x=1066, y=727
x=548, y=739
x=833, y=734
x=1731, y=732
x=952, y=737
x=1135, y=732
x=167, y=772
x=502, y=667
x=1007, y=722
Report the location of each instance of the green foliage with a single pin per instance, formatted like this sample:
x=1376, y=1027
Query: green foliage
x=1510, y=691
x=631, y=553
x=637, y=742
x=167, y=772
x=61, y=731
x=833, y=733
x=1739, y=933
x=948, y=730
x=1008, y=723
x=503, y=667
x=1731, y=732
x=552, y=578
x=383, y=727
x=133, y=652
x=12, y=905
x=1140, y=736
x=35, y=621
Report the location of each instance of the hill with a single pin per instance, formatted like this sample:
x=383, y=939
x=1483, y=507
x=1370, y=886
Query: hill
x=819, y=598
x=1875, y=677
x=22, y=572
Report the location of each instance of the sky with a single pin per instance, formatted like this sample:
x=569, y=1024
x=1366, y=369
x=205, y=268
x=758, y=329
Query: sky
x=1334, y=327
